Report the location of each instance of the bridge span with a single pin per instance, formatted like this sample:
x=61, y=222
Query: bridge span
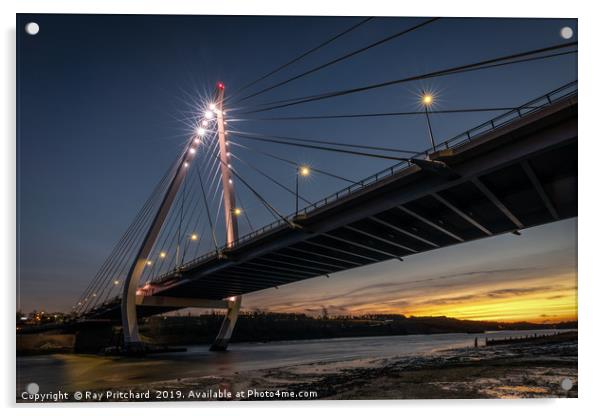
x=517, y=171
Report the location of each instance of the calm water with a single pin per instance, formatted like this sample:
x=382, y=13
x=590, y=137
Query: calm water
x=69, y=372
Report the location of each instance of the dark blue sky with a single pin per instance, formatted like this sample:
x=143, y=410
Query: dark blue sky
x=101, y=101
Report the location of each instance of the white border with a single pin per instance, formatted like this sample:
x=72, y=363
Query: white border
x=589, y=200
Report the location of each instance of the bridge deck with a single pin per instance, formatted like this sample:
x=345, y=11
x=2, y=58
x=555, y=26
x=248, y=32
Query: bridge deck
x=516, y=176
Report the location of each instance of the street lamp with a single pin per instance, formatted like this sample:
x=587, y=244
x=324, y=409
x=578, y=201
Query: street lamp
x=427, y=101
x=304, y=171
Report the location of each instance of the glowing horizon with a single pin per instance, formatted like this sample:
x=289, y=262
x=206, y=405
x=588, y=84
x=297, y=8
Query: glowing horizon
x=504, y=279
x=549, y=306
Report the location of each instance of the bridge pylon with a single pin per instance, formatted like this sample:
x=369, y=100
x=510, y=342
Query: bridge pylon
x=131, y=335
x=129, y=317
x=230, y=218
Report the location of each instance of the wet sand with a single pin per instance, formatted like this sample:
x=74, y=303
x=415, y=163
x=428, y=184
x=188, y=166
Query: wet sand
x=508, y=371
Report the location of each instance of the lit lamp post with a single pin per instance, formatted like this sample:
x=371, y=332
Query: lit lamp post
x=301, y=171
x=427, y=101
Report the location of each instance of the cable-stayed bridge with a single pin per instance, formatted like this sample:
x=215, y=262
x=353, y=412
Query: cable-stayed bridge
x=517, y=170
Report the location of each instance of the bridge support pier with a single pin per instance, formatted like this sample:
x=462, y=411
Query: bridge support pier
x=225, y=332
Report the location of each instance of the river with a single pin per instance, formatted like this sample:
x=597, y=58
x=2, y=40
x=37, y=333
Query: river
x=73, y=372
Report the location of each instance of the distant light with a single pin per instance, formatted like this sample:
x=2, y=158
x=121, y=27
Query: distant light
x=209, y=114
x=162, y=254
x=192, y=150
x=185, y=164
x=229, y=166
x=228, y=154
x=304, y=170
x=237, y=211
x=232, y=298
x=220, y=85
x=227, y=143
x=194, y=237
x=197, y=140
x=116, y=282
x=427, y=99
x=93, y=295
x=200, y=131
x=211, y=106
x=230, y=181
x=204, y=123
x=149, y=263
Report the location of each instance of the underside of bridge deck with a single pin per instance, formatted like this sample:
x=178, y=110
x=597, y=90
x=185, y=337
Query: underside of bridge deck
x=517, y=176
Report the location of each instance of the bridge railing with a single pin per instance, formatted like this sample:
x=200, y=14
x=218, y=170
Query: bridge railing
x=456, y=141
x=510, y=116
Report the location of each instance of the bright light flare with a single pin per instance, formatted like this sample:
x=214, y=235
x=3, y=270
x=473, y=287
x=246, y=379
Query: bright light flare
x=194, y=237
x=304, y=170
x=201, y=131
x=237, y=211
x=204, y=123
x=162, y=254
x=209, y=115
x=427, y=99
x=212, y=107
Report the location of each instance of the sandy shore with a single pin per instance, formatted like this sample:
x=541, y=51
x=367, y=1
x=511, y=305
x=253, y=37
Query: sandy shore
x=510, y=371
x=523, y=370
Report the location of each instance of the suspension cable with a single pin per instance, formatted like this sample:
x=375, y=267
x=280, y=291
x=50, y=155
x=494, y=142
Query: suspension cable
x=449, y=71
x=327, y=142
x=389, y=114
x=120, y=249
x=274, y=181
x=298, y=58
x=342, y=58
x=208, y=212
x=329, y=149
x=293, y=163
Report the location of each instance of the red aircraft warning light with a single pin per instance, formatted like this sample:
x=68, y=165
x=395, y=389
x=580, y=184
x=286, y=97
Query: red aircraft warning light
x=220, y=85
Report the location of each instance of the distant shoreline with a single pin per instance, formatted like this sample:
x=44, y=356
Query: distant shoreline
x=66, y=347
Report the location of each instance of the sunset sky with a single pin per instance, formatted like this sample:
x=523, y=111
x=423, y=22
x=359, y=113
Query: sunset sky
x=102, y=105
x=509, y=278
